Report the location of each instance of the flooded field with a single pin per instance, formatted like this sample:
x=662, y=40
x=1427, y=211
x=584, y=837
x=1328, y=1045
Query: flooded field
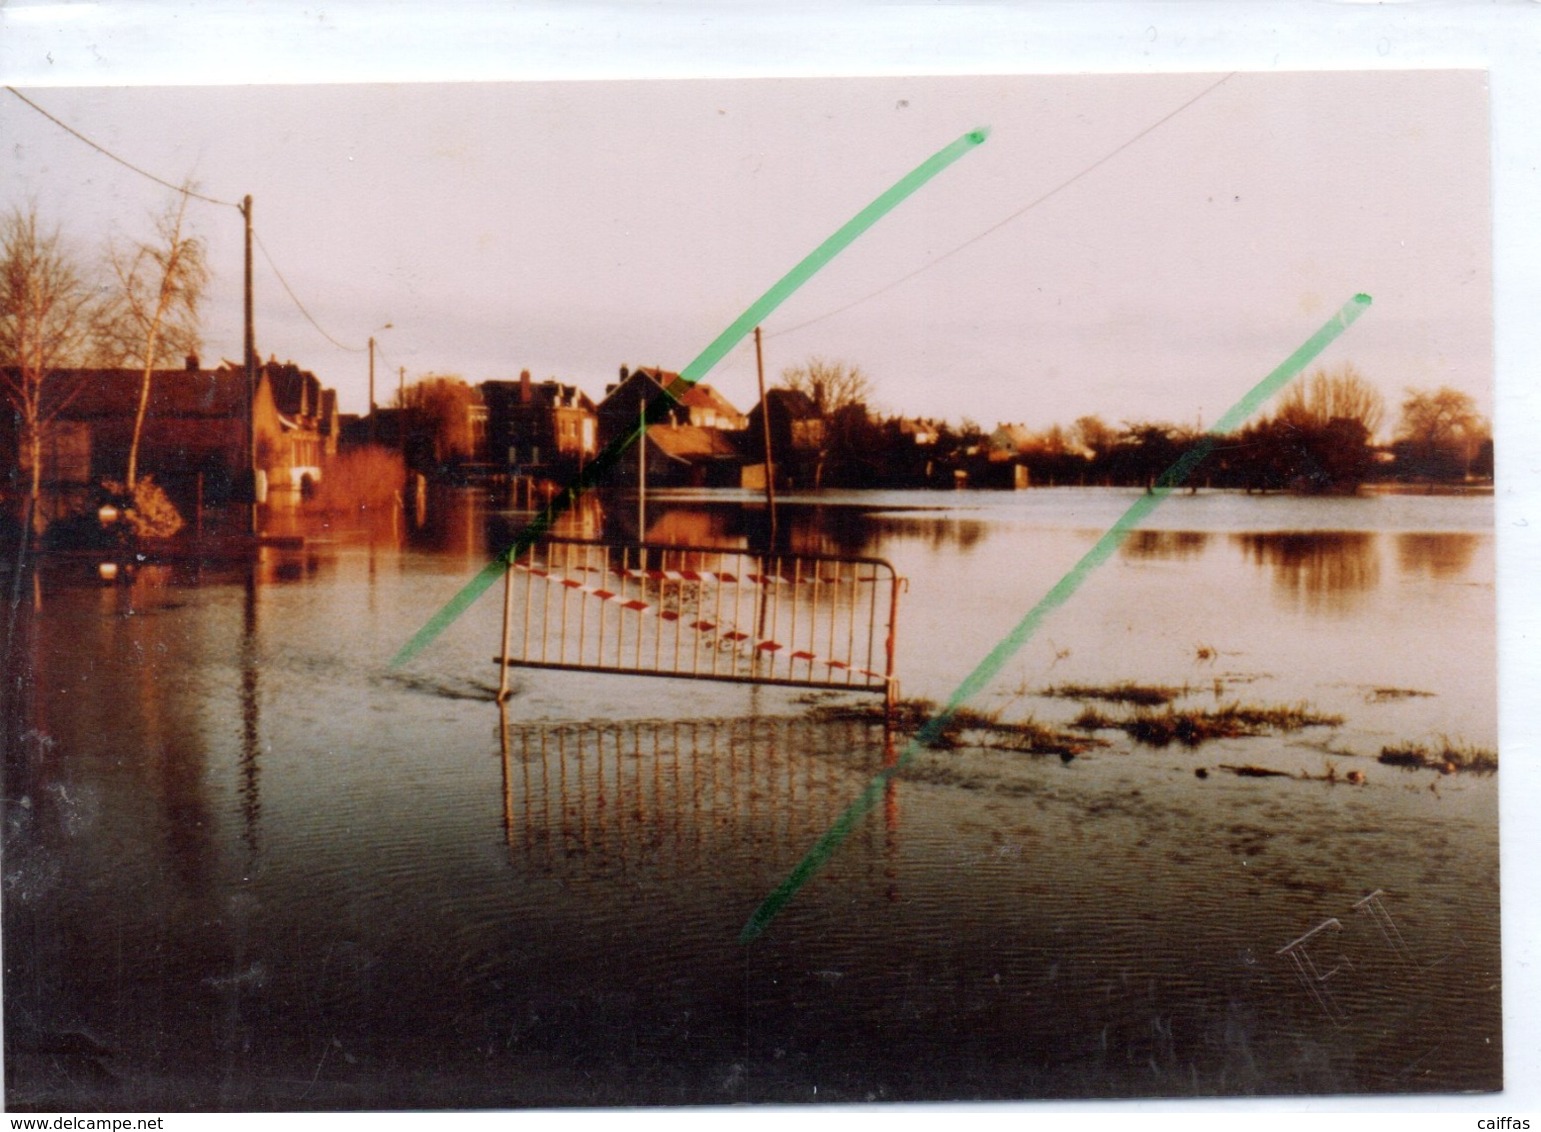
x=250, y=864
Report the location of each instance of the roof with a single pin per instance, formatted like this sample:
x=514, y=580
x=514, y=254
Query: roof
x=1014, y=437
x=691, y=442
x=173, y=393
x=704, y=396
x=549, y=393
x=661, y=377
x=295, y=391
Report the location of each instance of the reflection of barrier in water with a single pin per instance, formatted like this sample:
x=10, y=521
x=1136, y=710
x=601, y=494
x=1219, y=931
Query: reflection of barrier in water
x=702, y=613
x=621, y=793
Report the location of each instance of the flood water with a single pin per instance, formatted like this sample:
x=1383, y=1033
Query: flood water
x=249, y=864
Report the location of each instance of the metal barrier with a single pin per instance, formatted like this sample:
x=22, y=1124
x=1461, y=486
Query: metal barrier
x=702, y=613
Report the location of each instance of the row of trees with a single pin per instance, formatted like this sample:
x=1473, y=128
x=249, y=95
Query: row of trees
x=1319, y=437
x=139, y=309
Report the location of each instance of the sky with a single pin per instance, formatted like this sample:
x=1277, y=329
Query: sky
x=1199, y=228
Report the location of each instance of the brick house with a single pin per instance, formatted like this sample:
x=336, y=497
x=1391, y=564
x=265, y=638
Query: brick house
x=539, y=425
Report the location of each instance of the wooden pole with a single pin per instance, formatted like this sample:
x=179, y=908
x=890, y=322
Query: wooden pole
x=642, y=470
x=371, y=389
x=251, y=376
x=770, y=467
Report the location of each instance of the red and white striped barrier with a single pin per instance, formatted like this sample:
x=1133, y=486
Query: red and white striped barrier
x=735, y=579
x=643, y=608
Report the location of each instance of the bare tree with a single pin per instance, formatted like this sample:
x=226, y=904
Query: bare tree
x=47, y=317
x=1441, y=427
x=839, y=393
x=1094, y=434
x=831, y=386
x=154, y=314
x=1325, y=397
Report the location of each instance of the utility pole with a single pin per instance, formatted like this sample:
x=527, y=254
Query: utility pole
x=770, y=468
x=642, y=469
x=251, y=377
x=371, y=389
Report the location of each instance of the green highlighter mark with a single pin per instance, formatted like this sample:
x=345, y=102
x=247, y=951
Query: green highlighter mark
x=658, y=408
x=987, y=669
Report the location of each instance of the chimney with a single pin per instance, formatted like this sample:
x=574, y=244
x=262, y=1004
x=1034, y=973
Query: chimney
x=192, y=363
x=624, y=374
x=524, y=387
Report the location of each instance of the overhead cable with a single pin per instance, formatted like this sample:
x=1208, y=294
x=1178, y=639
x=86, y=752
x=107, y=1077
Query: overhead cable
x=126, y=164
x=1030, y=205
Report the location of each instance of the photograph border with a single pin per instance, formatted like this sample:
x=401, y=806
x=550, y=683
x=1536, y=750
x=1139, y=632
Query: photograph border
x=145, y=43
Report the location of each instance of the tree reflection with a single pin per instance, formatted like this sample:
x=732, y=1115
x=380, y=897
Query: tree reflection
x=1438, y=555
x=1321, y=571
x=1178, y=545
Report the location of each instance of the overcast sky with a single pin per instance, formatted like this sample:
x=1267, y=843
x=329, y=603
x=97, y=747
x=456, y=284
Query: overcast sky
x=572, y=228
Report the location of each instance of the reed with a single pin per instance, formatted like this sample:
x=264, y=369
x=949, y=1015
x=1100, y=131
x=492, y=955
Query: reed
x=1445, y=756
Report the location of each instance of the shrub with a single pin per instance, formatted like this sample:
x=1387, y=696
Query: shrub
x=148, y=511
x=362, y=479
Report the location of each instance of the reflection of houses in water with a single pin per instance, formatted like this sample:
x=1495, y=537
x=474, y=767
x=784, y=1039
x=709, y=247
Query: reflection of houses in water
x=582, y=518
x=938, y=532
x=1441, y=555
x=698, y=526
x=1325, y=571
x=598, y=796
x=1178, y=545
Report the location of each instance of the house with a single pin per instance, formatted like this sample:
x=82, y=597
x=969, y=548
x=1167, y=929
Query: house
x=797, y=434
x=1009, y=441
x=686, y=455
x=538, y=425
x=194, y=437
x=700, y=404
x=922, y=433
x=308, y=412
x=706, y=408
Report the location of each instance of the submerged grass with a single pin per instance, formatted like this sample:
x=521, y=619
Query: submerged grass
x=1192, y=726
x=1445, y=756
x=1384, y=695
x=1125, y=692
x=984, y=729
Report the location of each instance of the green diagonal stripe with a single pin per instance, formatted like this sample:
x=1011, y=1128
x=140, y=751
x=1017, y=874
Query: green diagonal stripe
x=658, y=407
x=987, y=669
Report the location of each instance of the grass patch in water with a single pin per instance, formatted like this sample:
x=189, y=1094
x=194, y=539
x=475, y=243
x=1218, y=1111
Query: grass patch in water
x=1445, y=757
x=1026, y=736
x=1390, y=695
x=1192, y=726
x=1125, y=692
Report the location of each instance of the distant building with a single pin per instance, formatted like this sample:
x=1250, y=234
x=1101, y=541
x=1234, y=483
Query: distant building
x=684, y=455
x=919, y=432
x=194, y=435
x=699, y=404
x=538, y=425
x=1009, y=441
x=308, y=424
x=797, y=432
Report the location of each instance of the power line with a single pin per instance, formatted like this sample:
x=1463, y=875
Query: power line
x=1032, y=204
x=299, y=305
x=109, y=154
x=197, y=196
